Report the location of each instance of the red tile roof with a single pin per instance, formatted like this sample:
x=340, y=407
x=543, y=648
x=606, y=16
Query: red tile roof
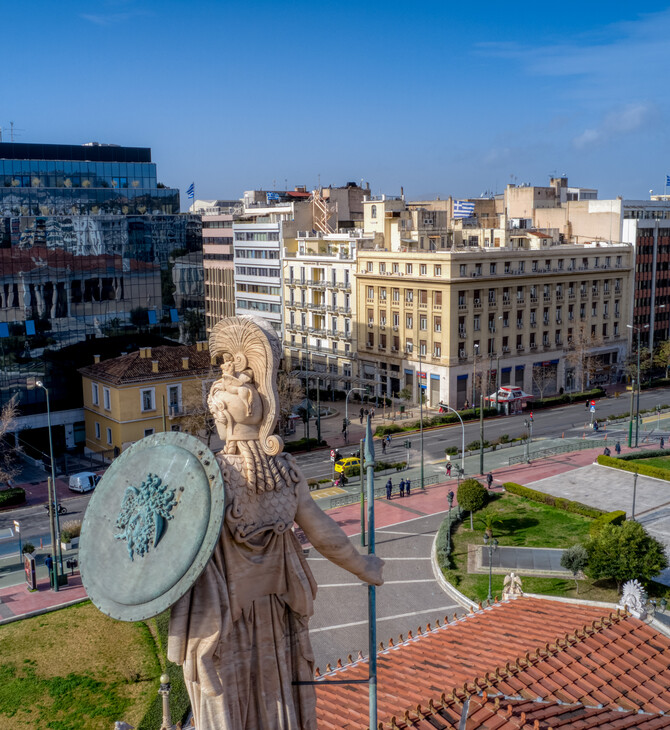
x=133, y=368
x=536, y=650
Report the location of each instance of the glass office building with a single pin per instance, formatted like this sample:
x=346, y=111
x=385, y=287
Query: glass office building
x=92, y=246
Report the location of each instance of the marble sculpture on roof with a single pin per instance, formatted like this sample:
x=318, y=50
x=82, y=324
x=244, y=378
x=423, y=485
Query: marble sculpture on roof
x=241, y=633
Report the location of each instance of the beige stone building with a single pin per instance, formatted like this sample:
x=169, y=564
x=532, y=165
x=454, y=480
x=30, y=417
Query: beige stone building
x=443, y=319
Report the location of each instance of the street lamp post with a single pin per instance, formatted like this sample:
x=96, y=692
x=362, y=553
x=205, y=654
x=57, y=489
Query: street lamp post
x=53, y=504
x=449, y=408
x=421, y=412
x=637, y=404
x=492, y=545
x=346, y=410
x=474, y=379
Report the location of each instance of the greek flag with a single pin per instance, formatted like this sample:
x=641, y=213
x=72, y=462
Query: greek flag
x=463, y=209
x=191, y=191
x=667, y=181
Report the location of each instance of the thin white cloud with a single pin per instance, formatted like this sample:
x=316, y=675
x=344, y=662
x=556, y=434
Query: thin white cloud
x=107, y=19
x=625, y=120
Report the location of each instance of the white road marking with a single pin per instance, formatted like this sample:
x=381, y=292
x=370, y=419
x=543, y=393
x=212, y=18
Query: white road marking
x=386, y=583
x=385, y=559
x=383, y=618
x=395, y=532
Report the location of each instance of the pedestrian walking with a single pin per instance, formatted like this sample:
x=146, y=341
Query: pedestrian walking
x=389, y=489
x=489, y=480
x=383, y=446
x=408, y=484
x=449, y=469
x=402, y=487
x=617, y=448
x=49, y=563
x=372, y=412
x=662, y=442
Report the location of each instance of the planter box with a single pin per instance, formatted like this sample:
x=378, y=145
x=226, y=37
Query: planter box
x=74, y=543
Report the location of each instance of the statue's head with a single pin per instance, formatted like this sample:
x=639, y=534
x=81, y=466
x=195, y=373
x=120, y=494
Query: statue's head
x=244, y=401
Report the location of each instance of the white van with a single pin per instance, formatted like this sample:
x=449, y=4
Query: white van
x=85, y=481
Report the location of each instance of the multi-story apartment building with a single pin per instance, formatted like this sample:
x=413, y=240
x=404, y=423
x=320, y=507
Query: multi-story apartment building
x=217, y=252
x=259, y=232
x=442, y=320
x=91, y=246
x=318, y=271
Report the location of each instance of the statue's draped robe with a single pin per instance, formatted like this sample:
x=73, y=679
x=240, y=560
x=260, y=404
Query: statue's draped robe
x=241, y=632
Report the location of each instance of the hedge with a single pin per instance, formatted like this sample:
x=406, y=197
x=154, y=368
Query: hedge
x=617, y=517
x=303, y=445
x=560, y=400
x=441, y=420
x=179, y=700
x=559, y=502
x=624, y=465
x=442, y=549
x=12, y=496
x=644, y=454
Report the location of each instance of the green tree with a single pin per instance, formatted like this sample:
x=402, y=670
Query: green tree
x=662, y=356
x=625, y=552
x=405, y=394
x=575, y=559
x=472, y=496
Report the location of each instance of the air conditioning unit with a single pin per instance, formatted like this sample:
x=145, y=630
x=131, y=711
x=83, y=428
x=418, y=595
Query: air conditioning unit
x=533, y=346
x=394, y=349
x=461, y=353
x=395, y=328
x=505, y=349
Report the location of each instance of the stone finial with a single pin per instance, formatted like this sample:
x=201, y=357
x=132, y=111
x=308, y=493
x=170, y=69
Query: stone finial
x=511, y=586
x=634, y=597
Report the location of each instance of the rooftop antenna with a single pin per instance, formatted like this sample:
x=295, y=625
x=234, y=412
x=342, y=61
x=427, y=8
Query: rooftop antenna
x=13, y=129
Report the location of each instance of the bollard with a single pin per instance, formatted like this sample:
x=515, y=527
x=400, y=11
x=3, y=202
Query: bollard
x=164, y=692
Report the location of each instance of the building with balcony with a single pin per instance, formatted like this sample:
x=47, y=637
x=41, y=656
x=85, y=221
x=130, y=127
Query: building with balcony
x=152, y=389
x=443, y=320
x=319, y=336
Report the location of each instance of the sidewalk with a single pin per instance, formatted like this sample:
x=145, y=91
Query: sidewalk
x=17, y=602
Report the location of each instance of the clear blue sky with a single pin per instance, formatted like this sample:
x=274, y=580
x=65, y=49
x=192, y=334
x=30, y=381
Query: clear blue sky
x=442, y=98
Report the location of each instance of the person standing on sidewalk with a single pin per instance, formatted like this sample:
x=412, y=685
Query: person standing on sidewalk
x=383, y=446
x=617, y=448
x=408, y=484
x=402, y=487
x=662, y=442
x=449, y=469
x=489, y=480
x=389, y=488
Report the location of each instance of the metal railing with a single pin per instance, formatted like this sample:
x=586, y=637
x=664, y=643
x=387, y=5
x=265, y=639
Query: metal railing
x=554, y=450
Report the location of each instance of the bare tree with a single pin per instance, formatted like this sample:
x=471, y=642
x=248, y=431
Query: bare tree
x=581, y=356
x=8, y=464
x=291, y=393
x=544, y=376
x=631, y=364
x=196, y=418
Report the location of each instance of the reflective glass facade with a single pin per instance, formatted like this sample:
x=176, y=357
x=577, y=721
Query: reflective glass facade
x=89, y=249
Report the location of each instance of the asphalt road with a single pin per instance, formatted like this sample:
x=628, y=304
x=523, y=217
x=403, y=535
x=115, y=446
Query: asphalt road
x=571, y=420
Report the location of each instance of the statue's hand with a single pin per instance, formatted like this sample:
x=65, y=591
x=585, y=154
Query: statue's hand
x=372, y=570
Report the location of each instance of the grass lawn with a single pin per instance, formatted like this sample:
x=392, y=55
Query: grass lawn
x=523, y=523
x=662, y=462
x=76, y=669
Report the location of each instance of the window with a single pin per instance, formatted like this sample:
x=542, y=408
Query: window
x=382, y=294
x=107, y=399
x=382, y=267
x=369, y=267
x=423, y=296
x=109, y=435
x=437, y=299
x=396, y=268
x=423, y=322
x=148, y=399
x=408, y=268
x=373, y=211
x=522, y=266
x=422, y=347
x=409, y=345
x=95, y=394
x=463, y=271
x=148, y=432
x=97, y=430
x=409, y=321
x=396, y=295
x=396, y=319
x=174, y=399
x=437, y=271
x=437, y=324
x=409, y=296
x=492, y=268
x=371, y=292
x=423, y=269
x=437, y=349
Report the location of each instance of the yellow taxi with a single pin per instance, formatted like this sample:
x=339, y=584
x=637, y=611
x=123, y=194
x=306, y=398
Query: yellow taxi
x=347, y=463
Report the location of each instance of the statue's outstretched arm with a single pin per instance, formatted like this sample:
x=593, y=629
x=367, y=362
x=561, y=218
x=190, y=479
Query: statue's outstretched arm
x=329, y=539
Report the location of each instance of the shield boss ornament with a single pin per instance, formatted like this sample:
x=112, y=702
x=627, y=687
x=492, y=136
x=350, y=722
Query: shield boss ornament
x=151, y=526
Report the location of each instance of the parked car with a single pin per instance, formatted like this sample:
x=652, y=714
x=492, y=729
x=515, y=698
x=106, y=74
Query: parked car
x=84, y=481
x=350, y=461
